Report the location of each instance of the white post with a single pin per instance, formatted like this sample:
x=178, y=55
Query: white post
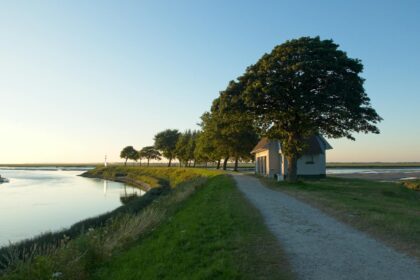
x=105, y=163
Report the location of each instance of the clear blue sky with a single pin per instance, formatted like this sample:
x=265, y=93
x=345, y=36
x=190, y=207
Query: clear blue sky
x=80, y=79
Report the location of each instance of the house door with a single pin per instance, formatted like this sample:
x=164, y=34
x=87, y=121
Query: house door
x=264, y=165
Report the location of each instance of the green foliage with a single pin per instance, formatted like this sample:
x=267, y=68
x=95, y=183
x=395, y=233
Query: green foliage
x=305, y=87
x=165, y=142
x=149, y=153
x=129, y=153
x=210, y=143
x=205, y=151
x=185, y=147
x=227, y=133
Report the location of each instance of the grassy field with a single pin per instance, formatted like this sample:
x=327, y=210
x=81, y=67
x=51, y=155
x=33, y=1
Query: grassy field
x=388, y=211
x=203, y=228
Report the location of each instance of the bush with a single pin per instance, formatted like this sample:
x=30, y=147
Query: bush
x=412, y=185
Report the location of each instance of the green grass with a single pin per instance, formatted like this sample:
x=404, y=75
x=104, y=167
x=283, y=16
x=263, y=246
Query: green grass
x=152, y=176
x=388, y=211
x=216, y=234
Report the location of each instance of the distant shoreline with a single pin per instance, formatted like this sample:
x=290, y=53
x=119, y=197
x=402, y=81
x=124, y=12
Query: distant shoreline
x=329, y=164
x=372, y=164
x=50, y=164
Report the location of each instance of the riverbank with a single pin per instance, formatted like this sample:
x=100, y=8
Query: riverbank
x=201, y=228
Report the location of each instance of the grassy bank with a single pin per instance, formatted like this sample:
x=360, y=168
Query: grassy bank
x=388, y=211
x=151, y=176
x=201, y=228
x=216, y=235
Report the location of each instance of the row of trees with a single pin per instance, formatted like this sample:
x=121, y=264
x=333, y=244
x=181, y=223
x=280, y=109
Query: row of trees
x=147, y=153
x=220, y=139
x=304, y=87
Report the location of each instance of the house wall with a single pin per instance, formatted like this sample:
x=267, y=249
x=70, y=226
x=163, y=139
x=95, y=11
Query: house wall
x=305, y=167
x=273, y=162
x=317, y=167
x=276, y=163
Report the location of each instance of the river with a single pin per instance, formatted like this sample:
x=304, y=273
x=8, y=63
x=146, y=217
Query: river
x=38, y=200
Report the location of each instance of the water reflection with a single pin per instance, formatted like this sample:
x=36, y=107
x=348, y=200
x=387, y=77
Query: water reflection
x=37, y=201
x=130, y=195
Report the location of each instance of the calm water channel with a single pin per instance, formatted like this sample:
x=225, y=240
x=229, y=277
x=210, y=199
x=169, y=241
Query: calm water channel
x=38, y=200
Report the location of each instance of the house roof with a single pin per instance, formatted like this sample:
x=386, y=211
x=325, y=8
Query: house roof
x=262, y=145
x=315, y=145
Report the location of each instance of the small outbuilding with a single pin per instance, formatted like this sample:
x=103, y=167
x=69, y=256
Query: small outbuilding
x=271, y=162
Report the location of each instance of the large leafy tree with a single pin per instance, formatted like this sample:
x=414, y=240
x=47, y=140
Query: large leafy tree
x=236, y=128
x=129, y=153
x=165, y=142
x=304, y=87
x=212, y=138
x=185, y=147
x=205, y=151
x=149, y=153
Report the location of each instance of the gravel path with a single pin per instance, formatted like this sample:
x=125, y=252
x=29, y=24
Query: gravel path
x=320, y=247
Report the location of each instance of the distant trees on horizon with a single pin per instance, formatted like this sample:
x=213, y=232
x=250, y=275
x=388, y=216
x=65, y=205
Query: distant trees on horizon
x=147, y=153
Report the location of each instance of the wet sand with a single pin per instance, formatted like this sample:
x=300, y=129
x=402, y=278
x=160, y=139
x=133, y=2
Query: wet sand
x=388, y=176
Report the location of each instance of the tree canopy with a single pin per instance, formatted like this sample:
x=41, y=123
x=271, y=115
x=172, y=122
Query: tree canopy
x=129, y=153
x=305, y=87
x=150, y=152
x=165, y=141
x=185, y=147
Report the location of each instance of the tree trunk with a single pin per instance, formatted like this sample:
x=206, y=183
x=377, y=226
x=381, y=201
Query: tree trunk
x=218, y=164
x=125, y=163
x=194, y=164
x=236, y=164
x=148, y=161
x=225, y=163
x=186, y=163
x=205, y=164
x=292, y=168
x=170, y=161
